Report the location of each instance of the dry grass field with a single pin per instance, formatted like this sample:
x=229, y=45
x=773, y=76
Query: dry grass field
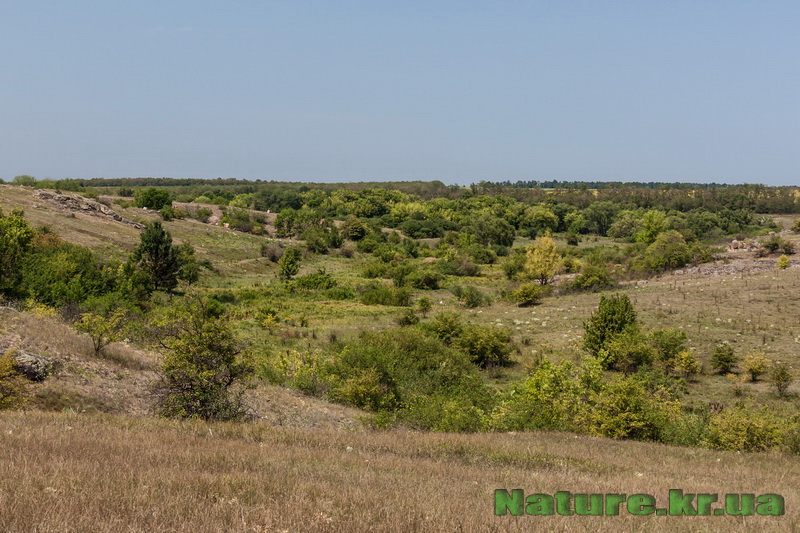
x=101, y=473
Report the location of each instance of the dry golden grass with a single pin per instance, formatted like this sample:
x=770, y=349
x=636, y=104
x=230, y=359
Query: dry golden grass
x=61, y=473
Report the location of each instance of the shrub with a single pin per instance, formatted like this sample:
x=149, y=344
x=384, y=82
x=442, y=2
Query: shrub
x=486, y=345
x=272, y=251
x=625, y=409
x=340, y=293
x=626, y=351
x=57, y=274
x=407, y=317
x=573, y=239
x=614, y=315
x=781, y=377
x=530, y=294
x=316, y=241
x=514, y=264
x=319, y=280
x=377, y=294
x=424, y=305
x=202, y=214
x=744, y=430
x=470, y=297
x=458, y=267
x=447, y=326
x=669, y=250
x=15, y=241
x=204, y=374
x=755, y=365
x=152, y=198
x=445, y=413
x=424, y=279
x=406, y=365
x=167, y=213
x=126, y=192
x=103, y=330
x=289, y=263
x=13, y=386
x=685, y=364
x=594, y=276
x=783, y=262
x=552, y=397
x=723, y=360
x=668, y=343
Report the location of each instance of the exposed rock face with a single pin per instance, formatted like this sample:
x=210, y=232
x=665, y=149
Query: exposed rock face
x=35, y=367
x=78, y=203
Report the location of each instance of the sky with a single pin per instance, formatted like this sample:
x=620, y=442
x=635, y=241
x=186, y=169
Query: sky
x=457, y=91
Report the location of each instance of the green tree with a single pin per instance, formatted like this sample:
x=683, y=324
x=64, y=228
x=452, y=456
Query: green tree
x=614, y=315
x=600, y=216
x=354, y=229
x=103, y=330
x=204, y=374
x=289, y=263
x=25, y=180
x=152, y=198
x=157, y=257
x=15, y=241
x=543, y=262
x=755, y=364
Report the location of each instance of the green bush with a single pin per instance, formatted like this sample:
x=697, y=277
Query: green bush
x=781, y=377
x=425, y=279
x=446, y=326
x=626, y=351
x=723, y=360
x=377, y=294
x=152, y=198
x=320, y=280
x=530, y=293
x=743, y=429
x=594, y=276
x=60, y=273
x=470, y=297
x=486, y=345
x=393, y=369
x=614, y=315
x=13, y=385
x=289, y=263
x=625, y=409
x=204, y=375
x=668, y=343
x=340, y=293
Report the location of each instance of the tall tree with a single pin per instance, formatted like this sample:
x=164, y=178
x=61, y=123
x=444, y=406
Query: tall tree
x=157, y=257
x=543, y=262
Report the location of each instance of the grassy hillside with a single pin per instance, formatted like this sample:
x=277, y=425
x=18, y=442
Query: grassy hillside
x=87, y=448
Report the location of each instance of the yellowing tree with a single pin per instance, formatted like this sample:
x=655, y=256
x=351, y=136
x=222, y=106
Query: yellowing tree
x=542, y=261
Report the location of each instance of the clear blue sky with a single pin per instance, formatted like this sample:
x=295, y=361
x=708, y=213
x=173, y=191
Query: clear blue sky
x=458, y=91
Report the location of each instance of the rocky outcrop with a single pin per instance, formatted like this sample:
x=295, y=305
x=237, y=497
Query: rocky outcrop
x=35, y=367
x=79, y=203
